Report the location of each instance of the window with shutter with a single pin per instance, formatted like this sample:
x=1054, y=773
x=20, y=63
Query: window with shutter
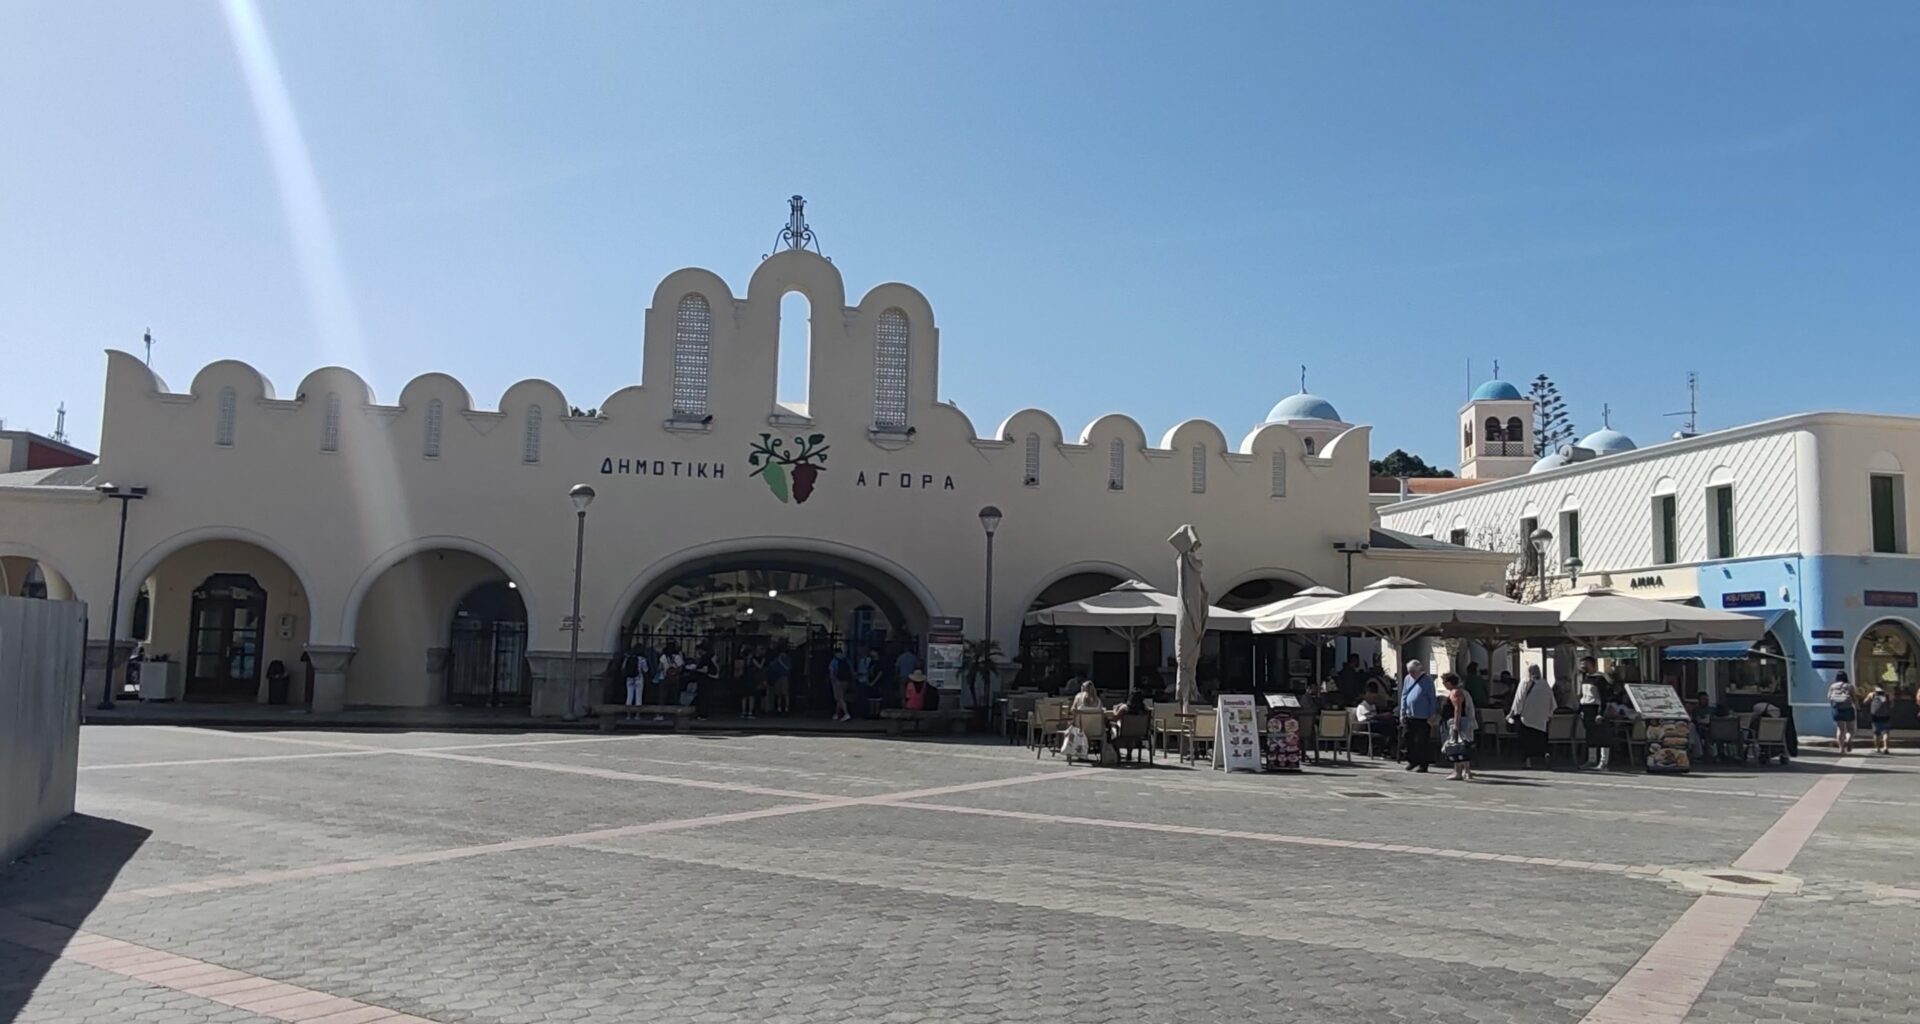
x=434, y=410
x=890, y=371
x=1033, y=460
x=223, y=425
x=1116, y=464
x=692, y=355
x=330, y=424
x=532, y=448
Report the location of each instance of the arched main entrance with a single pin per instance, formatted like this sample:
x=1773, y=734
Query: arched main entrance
x=1049, y=655
x=487, y=648
x=222, y=610
x=1886, y=656
x=1267, y=661
x=743, y=611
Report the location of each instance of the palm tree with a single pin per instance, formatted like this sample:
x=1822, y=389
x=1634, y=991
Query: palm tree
x=979, y=664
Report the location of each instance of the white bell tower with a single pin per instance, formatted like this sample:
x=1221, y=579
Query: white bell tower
x=1496, y=431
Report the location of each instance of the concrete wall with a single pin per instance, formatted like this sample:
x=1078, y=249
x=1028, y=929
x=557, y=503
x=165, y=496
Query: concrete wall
x=40, y=659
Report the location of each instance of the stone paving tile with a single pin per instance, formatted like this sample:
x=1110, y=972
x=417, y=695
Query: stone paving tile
x=1423, y=812
x=1844, y=962
x=878, y=913
x=34, y=991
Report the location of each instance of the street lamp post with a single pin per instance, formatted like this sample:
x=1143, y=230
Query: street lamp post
x=582, y=496
x=990, y=522
x=126, y=496
x=1541, y=539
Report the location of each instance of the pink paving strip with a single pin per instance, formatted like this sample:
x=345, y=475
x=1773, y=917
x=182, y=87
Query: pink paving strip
x=1663, y=986
x=260, y=996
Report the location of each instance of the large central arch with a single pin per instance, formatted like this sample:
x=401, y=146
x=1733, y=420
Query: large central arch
x=886, y=579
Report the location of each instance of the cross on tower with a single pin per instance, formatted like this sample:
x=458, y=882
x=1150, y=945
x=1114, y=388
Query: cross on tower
x=1606, y=415
x=1303, y=378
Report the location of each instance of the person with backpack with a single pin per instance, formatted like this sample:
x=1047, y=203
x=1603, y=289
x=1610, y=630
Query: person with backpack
x=1840, y=697
x=840, y=677
x=1880, y=715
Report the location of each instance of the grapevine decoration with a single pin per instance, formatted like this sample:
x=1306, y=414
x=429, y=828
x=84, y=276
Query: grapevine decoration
x=789, y=472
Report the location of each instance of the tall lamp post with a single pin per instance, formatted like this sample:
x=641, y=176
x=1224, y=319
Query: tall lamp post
x=1541, y=539
x=990, y=522
x=582, y=496
x=126, y=496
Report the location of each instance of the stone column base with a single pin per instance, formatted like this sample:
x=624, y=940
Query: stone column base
x=555, y=694
x=329, y=675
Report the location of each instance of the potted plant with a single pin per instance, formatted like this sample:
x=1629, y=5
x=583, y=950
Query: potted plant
x=979, y=664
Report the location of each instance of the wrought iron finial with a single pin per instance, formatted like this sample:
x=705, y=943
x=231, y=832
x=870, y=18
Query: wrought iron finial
x=797, y=235
x=1303, y=378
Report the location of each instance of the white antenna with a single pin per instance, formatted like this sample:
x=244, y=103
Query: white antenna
x=60, y=424
x=1691, y=426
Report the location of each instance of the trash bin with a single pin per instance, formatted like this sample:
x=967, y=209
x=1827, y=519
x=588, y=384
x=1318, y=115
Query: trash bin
x=277, y=683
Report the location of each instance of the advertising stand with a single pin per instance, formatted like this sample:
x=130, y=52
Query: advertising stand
x=1283, y=751
x=1669, y=727
x=1236, y=735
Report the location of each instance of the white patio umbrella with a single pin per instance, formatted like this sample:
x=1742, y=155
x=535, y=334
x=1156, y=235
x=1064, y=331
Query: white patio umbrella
x=1599, y=615
x=1287, y=605
x=1399, y=610
x=1132, y=611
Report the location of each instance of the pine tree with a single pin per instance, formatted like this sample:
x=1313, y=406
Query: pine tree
x=1552, y=427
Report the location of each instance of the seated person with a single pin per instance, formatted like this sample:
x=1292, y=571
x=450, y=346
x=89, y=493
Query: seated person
x=914, y=696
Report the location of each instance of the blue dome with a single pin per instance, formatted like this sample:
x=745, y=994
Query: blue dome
x=1608, y=442
x=1303, y=407
x=1497, y=391
x=1552, y=460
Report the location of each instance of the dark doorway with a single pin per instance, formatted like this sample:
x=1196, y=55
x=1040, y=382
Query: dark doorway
x=223, y=647
x=487, y=652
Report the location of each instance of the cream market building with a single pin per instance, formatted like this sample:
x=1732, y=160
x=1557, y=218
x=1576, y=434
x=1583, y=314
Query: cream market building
x=418, y=549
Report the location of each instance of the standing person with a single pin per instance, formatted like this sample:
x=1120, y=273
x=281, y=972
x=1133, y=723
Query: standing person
x=667, y=670
x=780, y=679
x=1351, y=680
x=1880, y=715
x=1840, y=696
x=1532, y=710
x=1595, y=689
x=1476, y=684
x=702, y=674
x=1417, y=710
x=1457, y=714
x=753, y=682
x=868, y=674
x=635, y=668
x=905, y=663
x=839, y=677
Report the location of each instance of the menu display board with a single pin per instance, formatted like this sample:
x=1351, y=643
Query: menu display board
x=1236, y=740
x=1669, y=727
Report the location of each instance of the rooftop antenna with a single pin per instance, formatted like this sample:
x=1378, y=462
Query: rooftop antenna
x=60, y=424
x=1691, y=426
x=797, y=234
x=148, y=338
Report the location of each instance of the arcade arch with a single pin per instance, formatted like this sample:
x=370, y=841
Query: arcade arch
x=223, y=610
x=438, y=621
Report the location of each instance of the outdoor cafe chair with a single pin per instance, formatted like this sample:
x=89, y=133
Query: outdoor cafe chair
x=1019, y=710
x=1335, y=733
x=1199, y=732
x=1167, y=727
x=1047, y=723
x=1724, y=739
x=1770, y=739
x=1637, y=742
x=1494, y=728
x=1132, y=734
x=1563, y=730
x=1094, y=725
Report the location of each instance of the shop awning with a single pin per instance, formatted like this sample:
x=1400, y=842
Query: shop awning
x=1736, y=650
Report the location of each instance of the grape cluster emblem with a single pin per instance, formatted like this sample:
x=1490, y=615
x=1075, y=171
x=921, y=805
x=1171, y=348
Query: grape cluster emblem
x=790, y=474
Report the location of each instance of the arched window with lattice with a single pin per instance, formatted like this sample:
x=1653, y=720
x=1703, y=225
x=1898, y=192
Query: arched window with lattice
x=434, y=413
x=890, y=371
x=1116, y=464
x=692, y=355
x=1199, y=469
x=531, y=450
x=330, y=423
x=1280, y=474
x=223, y=423
x=1033, y=460
x=1495, y=432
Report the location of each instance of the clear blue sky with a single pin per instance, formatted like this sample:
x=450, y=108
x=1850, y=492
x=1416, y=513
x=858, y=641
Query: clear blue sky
x=1610, y=193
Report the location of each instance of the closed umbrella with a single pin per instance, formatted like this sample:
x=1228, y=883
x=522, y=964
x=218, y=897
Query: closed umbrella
x=1190, y=628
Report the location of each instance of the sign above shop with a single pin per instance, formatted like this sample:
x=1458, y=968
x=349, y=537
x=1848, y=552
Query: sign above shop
x=1744, y=599
x=1891, y=599
x=790, y=467
x=1646, y=582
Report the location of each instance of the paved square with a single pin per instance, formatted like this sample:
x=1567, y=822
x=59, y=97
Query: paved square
x=352, y=877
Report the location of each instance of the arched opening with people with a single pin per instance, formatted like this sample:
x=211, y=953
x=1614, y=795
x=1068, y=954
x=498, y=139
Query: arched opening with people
x=772, y=633
x=1888, y=655
x=1051, y=656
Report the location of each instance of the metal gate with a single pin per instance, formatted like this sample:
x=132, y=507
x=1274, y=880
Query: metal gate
x=810, y=649
x=487, y=664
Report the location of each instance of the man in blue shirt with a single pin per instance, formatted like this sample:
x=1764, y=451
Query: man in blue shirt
x=1417, y=708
